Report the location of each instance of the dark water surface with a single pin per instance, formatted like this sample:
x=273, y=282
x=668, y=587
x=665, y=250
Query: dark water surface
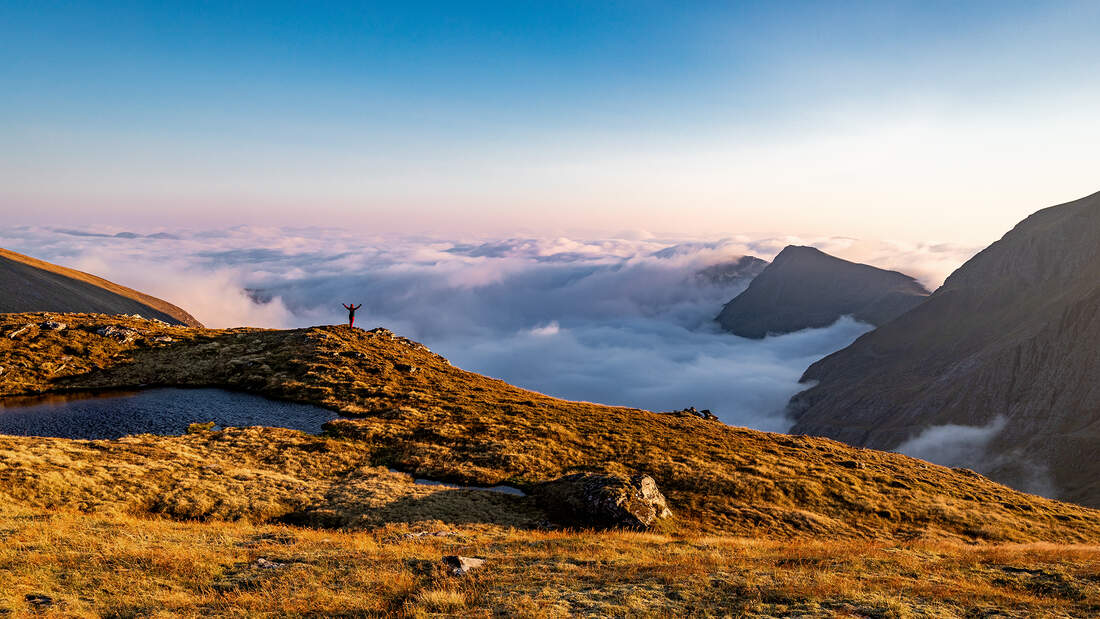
x=153, y=411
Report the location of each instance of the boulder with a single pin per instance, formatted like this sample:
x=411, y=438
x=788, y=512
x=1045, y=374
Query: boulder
x=123, y=335
x=460, y=566
x=53, y=325
x=603, y=500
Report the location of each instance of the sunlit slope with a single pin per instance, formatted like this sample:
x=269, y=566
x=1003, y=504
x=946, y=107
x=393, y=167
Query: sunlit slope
x=1013, y=333
x=31, y=285
x=417, y=413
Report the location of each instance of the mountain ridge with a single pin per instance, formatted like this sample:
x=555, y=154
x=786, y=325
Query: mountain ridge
x=1014, y=332
x=30, y=284
x=804, y=287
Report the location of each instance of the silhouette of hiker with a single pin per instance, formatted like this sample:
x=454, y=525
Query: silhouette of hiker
x=351, y=312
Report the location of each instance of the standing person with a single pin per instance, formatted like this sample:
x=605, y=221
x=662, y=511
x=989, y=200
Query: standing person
x=351, y=312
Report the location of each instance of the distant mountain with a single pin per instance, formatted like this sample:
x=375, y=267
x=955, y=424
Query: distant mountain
x=804, y=287
x=731, y=272
x=31, y=285
x=1012, y=340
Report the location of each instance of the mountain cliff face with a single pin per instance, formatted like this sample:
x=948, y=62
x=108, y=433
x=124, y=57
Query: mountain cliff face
x=1011, y=339
x=806, y=288
x=31, y=285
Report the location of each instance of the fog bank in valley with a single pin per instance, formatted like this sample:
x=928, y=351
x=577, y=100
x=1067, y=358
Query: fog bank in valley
x=624, y=321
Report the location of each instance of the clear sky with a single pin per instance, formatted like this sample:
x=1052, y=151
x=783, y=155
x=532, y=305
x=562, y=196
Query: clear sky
x=920, y=120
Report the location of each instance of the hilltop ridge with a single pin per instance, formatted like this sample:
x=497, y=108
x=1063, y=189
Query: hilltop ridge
x=33, y=285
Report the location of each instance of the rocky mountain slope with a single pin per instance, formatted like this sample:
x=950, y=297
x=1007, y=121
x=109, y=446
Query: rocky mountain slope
x=806, y=288
x=410, y=410
x=1013, y=334
x=31, y=285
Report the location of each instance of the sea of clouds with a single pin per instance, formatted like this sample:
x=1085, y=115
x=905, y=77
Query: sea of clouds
x=624, y=320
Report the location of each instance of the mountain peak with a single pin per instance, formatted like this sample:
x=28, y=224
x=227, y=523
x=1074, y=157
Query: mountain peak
x=1013, y=333
x=805, y=287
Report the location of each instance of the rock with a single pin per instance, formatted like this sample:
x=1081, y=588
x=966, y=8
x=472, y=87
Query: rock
x=38, y=600
x=703, y=414
x=265, y=564
x=460, y=566
x=53, y=325
x=604, y=500
x=163, y=338
x=353, y=354
x=19, y=331
x=405, y=367
x=123, y=335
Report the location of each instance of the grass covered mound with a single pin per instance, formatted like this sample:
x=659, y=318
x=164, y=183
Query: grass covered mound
x=411, y=410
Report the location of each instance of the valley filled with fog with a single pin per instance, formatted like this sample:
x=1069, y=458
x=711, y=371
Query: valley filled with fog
x=625, y=321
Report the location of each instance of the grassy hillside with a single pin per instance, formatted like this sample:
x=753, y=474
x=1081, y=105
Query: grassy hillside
x=260, y=521
x=417, y=413
x=30, y=284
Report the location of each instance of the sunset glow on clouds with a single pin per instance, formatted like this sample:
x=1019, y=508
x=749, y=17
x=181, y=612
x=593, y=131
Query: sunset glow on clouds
x=932, y=122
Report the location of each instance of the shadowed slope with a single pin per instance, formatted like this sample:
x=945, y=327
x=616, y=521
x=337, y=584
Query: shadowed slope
x=419, y=414
x=32, y=285
x=1013, y=333
x=806, y=288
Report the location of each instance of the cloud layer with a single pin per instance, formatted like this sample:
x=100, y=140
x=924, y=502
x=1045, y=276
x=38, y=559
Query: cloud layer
x=623, y=321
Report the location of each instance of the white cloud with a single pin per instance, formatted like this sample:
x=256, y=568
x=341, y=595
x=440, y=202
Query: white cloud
x=618, y=320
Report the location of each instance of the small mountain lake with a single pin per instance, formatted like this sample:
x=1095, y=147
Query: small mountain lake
x=114, y=414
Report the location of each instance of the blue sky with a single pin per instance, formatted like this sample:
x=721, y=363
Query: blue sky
x=494, y=117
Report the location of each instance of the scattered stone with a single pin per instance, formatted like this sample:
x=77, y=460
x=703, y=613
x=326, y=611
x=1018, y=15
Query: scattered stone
x=703, y=414
x=38, y=600
x=604, y=500
x=265, y=564
x=19, y=331
x=460, y=566
x=122, y=335
x=53, y=325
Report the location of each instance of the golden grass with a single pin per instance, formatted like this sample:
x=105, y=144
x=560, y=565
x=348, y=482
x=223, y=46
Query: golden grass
x=416, y=412
x=264, y=521
x=93, y=565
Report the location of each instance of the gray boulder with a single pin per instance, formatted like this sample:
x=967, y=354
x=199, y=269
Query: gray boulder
x=123, y=335
x=604, y=501
x=460, y=566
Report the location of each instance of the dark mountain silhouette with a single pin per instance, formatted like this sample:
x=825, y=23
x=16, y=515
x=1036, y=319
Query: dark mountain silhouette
x=1013, y=334
x=731, y=272
x=804, y=287
x=32, y=285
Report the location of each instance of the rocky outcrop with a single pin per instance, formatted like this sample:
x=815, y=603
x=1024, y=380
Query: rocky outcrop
x=1014, y=334
x=604, y=501
x=32, y=285
x=806, y=288
x=731, y=272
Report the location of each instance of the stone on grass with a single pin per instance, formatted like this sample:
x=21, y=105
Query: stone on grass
x=460, y=566
x=604, y=501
